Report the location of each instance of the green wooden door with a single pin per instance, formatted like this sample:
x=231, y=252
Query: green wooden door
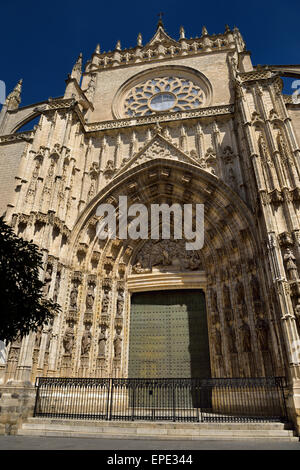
x=168, y=335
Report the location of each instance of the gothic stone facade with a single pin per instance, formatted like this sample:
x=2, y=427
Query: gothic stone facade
x=170, y=121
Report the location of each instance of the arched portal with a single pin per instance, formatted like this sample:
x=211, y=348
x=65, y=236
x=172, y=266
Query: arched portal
x=105, y=273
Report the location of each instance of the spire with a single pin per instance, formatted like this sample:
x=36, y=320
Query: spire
x=227, y=29
x=14, y=98
x=139, y=40
x=181, y=32
x=97, y=50
x=160, y=21
x=76, y=71
x=118, y=46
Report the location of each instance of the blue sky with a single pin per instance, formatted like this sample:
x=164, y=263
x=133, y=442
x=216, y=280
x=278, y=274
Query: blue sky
x=40, y=41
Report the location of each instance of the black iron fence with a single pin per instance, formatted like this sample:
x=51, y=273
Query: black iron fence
x=198, y=400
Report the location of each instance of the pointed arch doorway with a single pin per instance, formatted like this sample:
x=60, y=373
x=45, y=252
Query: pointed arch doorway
x=169, y=335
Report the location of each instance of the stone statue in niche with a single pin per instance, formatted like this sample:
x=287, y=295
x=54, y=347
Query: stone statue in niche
x=47, y=280
x=211, y=160
x=226, y=296
x=118, y=343
x=102, y=342
x=297, y=313
x=246, y=337
x=38, y=337
x=56, y=286
x=49, y=331
x=86, y=340
x=49, y=178
x=231, y=339
x=73, y=297
x=232, y=180
x=292, y=272
x=214, y=301
x=240, y=294
x=255, y=288
x=33, y=183
x=94, y=172
x=92, y=190
x=68, y=339
x=218, y=342
x=228, y=314
x=105, y=300
x=228, y=154
x=90, y=297
x=120, y=302
x=262, y=330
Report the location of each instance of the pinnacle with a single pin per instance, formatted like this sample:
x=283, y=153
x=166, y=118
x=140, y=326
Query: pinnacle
x=204, y=31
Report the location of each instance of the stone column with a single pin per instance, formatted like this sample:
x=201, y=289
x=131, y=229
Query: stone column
x=23, y=372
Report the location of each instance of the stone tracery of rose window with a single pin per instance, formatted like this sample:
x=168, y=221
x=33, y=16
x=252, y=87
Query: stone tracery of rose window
x=163, y=94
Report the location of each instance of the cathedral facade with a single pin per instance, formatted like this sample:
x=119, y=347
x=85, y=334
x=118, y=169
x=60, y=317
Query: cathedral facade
x=187, y=121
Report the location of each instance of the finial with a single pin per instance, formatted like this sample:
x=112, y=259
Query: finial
x=97, y=50
x=139, y=40
x=182, y=33
x=227, y=29
x=160, y=22
x=118, y=46
x=204, y=31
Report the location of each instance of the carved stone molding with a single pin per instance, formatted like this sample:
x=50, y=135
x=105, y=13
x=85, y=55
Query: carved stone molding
x=11, y=138
x=177, y=116
x=163, y=48
x=48, y=218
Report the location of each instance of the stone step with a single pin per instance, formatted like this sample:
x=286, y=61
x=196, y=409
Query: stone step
x=164, y=424
x=150, y=430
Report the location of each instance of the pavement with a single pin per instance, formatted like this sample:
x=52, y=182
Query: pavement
x=13, y=443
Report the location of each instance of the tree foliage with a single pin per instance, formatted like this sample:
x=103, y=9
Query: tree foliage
x=22, y=304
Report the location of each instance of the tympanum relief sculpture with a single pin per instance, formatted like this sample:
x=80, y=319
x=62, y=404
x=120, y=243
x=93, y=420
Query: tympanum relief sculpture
x=166, y=255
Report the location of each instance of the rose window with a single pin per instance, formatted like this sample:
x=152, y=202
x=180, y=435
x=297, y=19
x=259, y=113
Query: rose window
x=163, y=94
